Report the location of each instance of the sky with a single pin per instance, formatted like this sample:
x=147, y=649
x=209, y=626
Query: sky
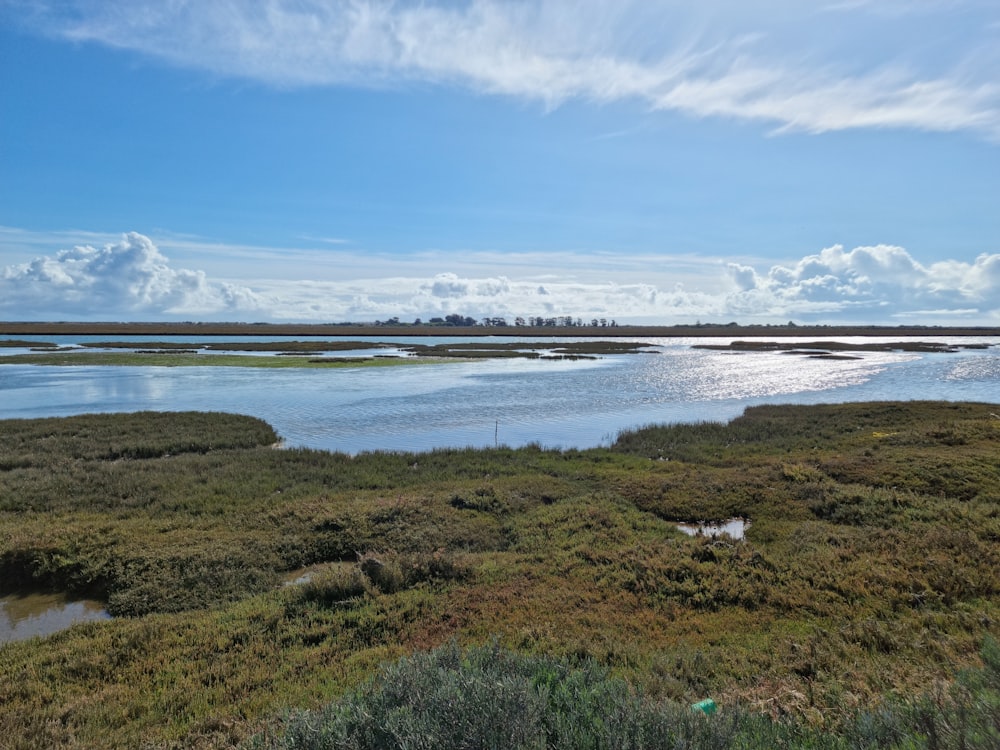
x=655, y=162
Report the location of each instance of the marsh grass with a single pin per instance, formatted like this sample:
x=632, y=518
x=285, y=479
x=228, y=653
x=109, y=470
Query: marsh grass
x=528, y=349
x=301, y=354
x=21, y=344
x=301, y=347
x=869, y=572
x=190, y=358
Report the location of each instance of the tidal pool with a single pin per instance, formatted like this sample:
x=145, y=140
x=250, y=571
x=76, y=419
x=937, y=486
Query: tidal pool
x=305, y=575
x=734, y=527
x=24, y=617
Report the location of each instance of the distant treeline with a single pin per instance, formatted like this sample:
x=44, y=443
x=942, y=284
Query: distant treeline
x=561, y=321
x=469, y=326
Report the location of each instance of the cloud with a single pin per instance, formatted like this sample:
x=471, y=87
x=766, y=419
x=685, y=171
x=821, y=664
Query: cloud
x=867, y=279
x=774, y=61
x=130, y=279
x=899, y=8
x=133, y=280
x=448, y=285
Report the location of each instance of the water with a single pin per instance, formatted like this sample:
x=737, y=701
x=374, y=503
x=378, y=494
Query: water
x=567, y=404
x=734, y=528
x=30, y=615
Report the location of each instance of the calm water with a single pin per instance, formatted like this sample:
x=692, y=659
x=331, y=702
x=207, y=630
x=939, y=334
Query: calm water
x=513, y=402
x=23, y=617
x=734, y=527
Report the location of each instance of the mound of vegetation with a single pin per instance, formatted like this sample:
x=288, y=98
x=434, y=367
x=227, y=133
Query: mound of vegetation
x=867, y=581
x=487, y=697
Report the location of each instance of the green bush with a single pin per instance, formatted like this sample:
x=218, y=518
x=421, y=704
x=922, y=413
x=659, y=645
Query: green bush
x=488, y=697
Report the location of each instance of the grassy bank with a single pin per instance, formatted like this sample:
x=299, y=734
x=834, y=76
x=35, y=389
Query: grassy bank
x=870, y=572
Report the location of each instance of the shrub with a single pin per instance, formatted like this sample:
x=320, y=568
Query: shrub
x=392, y=573
x=488, y=697
x=334, y=585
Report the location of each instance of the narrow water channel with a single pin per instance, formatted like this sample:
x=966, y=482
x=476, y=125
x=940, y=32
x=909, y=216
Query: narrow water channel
x=734, y=527
x=24, y=617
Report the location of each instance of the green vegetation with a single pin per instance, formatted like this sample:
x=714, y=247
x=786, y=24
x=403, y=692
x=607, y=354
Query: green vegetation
x=188, y=358
x=491, y=698
x=532, y=350
x=868, y=581
x=303, y=353
x=299, y=347
x=25, y=344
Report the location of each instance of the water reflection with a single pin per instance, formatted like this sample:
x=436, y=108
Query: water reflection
x=24, y=617
x=305, y=575
x=564, y=404
x=734, y=527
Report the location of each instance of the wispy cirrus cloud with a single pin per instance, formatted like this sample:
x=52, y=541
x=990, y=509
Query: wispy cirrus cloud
x=773, y=61
x=899, y=8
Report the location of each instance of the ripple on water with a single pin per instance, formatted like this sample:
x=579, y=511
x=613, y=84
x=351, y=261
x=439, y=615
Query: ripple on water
x=981, y=368
x=559, y=404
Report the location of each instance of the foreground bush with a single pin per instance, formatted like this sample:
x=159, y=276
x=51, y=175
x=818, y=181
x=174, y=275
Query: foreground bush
x=492, y=698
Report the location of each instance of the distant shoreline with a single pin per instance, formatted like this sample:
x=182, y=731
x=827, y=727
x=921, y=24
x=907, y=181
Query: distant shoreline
x=620, y=331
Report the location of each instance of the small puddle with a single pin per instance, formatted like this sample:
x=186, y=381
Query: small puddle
x=24, y=617
x=734, y=527
x=304, y=575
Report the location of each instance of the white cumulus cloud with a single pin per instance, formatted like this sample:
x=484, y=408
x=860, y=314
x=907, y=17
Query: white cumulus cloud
x=865, y=280
x=130, y=278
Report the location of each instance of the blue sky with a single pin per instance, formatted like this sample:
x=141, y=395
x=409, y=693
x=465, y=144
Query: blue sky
x=651, y=162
